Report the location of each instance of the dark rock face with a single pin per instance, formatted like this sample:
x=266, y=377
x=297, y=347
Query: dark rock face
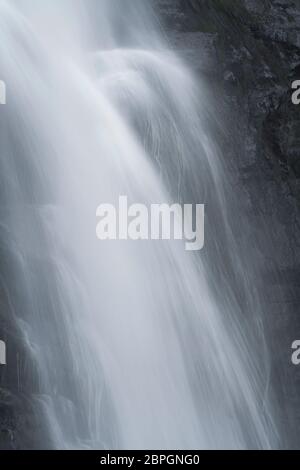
x=249, y=52
x=20, y=408
x=19, y=425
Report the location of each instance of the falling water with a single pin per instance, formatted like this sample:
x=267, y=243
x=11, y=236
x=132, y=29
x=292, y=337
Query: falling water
x=131, y=344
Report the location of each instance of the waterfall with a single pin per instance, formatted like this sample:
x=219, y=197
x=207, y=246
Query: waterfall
x=132, y=344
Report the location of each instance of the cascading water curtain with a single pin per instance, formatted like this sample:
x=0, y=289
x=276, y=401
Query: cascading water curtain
x=130, y=344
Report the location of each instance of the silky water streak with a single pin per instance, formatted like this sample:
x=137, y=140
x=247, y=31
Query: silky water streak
x=131, y=345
